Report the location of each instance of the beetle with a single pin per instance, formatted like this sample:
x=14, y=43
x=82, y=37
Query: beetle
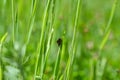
x=59, y=42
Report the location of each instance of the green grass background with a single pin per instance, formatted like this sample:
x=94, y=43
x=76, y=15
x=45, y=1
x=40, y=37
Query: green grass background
x=18, y=58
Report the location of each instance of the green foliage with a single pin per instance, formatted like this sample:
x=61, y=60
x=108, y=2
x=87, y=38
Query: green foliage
x=59, y=40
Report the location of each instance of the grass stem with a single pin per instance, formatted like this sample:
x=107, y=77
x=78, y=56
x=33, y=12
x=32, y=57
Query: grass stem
x=71, y=55
x=41, y=38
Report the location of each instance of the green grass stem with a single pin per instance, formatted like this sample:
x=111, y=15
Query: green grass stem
x=1, y=43
x=71, y=55
x=108, y=30
x=41, y=38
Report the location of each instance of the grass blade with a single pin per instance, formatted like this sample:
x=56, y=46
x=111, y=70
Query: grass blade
x=41, y=38
x=71, y=55
x=1, y=43
x=13, y=21
x=31, y=22
x=100, y=68
x=50, y=34
x=102, y=62
x=57, y=64
x=107, y=30
x=104, y=40
x=111, y=16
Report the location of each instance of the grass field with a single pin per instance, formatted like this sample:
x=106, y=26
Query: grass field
x=59, y=39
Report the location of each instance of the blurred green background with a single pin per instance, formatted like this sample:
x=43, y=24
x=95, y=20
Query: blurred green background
x=93, y=19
